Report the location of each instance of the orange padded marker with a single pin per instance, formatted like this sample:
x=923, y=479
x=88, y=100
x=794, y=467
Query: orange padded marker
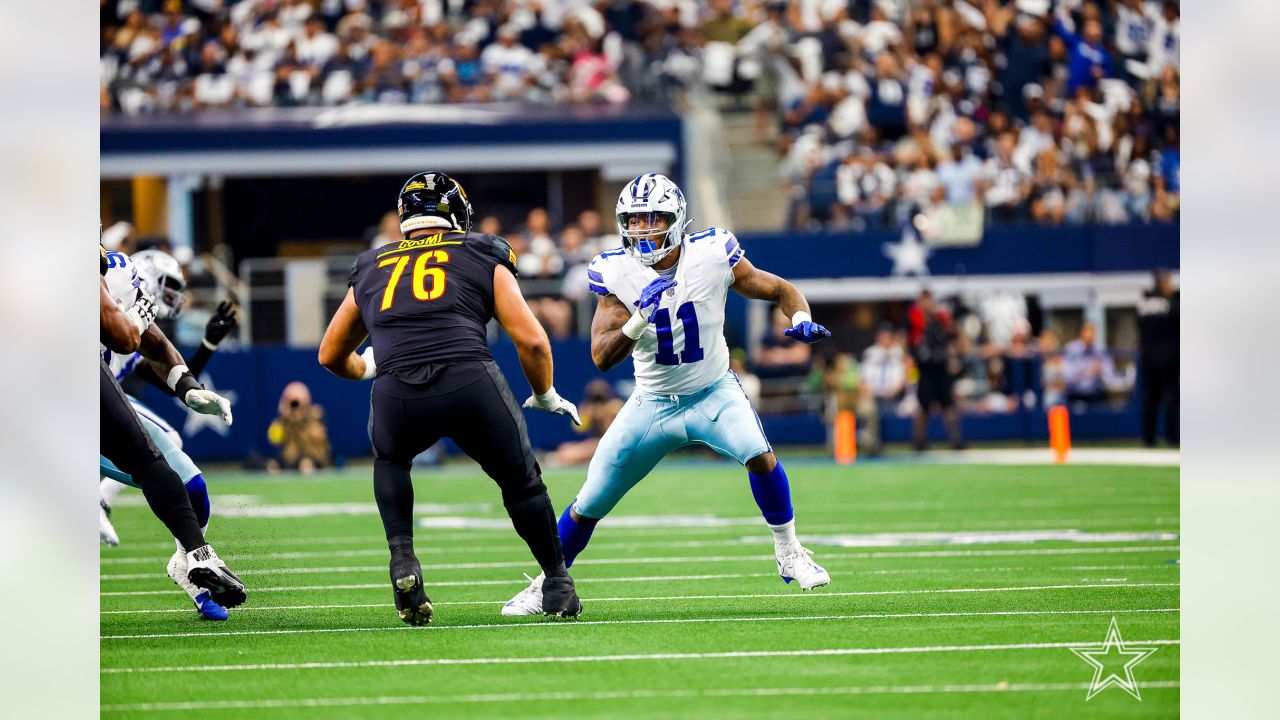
x=846, y=432
x=1059, y=433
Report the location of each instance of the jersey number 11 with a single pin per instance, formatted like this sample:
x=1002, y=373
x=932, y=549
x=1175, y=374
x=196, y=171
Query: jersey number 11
x=692, y=351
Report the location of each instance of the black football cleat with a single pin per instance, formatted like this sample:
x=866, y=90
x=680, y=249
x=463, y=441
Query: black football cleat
x=206, y=570
x=412, y=603
x=559, y=598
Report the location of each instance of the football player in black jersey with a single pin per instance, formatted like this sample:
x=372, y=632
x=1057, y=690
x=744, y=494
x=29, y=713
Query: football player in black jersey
x=424, y=303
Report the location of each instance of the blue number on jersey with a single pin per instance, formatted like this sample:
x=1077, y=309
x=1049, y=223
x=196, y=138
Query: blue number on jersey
x=115, y=259
x=611, y=253
x=692, y=351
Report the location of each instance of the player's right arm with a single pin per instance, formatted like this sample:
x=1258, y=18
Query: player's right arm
x=609, y=344
x=117, y=332
x=532, y=345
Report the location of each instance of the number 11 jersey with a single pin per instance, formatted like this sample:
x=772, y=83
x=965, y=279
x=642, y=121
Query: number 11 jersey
x=683, y=350
x=426, y=301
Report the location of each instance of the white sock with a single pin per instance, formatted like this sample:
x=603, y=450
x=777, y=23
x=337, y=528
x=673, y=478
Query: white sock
x=203, y=531
x=784, y=534
x=109, y=488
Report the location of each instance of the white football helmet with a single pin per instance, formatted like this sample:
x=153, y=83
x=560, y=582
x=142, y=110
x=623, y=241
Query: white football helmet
x=162, y=276
x=655, y=197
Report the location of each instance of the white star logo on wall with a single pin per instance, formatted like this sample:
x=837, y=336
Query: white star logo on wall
x=196, y=422
x=909, y=255
x=1113, y=653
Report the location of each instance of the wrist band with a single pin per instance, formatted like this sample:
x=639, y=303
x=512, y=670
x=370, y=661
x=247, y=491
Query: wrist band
x=800, y=317
x=211, y=346
x=636, y=326
x=176, y=374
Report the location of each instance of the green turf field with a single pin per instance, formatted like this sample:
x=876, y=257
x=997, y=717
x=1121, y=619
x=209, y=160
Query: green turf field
x=956, y=592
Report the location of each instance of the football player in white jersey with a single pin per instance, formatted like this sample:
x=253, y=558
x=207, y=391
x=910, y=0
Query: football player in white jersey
x=160, y=275
x=662, y=300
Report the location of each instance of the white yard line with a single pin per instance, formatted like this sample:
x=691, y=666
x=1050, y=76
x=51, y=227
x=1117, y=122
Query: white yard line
x=110, y=577
x=620, y=658
x=863, y=593
x=803, y=692
x=648, y=598
x=457, y=583
x=869, y=539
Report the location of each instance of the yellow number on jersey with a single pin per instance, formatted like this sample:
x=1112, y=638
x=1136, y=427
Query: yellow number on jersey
x=422, y=270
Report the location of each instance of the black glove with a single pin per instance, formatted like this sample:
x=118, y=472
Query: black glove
x=221, y=323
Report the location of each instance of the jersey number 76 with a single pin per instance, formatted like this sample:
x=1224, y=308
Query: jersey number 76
x=422, y=270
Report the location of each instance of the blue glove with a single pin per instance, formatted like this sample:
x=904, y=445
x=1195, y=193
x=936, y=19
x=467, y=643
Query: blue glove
x=808, y=331
x=651, y=295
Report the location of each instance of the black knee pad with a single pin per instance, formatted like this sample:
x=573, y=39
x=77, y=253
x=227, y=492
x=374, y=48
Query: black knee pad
x=528, y=499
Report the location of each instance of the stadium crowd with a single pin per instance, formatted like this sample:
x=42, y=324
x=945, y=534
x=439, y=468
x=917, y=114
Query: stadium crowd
x=1050, y=111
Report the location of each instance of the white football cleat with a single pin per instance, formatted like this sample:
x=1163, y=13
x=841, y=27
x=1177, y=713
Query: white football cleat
x=106, y=531
x=528, y=601
x=795, y=563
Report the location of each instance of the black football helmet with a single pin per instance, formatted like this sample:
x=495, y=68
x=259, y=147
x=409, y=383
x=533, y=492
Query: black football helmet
x=429, y=197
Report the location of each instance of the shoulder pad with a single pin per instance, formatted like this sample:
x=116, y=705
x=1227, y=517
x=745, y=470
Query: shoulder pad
x=598, y=271
x=722, y=239
x=501, y=251
x=351, y=276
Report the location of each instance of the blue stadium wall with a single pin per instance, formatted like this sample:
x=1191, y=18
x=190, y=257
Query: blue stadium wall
x=255, y=377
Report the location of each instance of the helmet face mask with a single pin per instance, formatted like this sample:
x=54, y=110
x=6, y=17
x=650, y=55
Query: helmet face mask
x=433, y=200
x=658, y=206
x=162, y=277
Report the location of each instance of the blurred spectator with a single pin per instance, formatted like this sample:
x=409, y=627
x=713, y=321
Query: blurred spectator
x=489, y=225
x=933, y=338
x=1052, y=379
x=598, y=407
x=749, y=382
x=779, y=355
x=1158, y=325
x=884, y=371
x=537, y=256
x=1086, y=368
x=1022, y=370
x=388, y=231
x=299, y=432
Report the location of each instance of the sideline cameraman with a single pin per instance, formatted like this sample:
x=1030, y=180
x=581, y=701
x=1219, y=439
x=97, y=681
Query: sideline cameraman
x=299, y=432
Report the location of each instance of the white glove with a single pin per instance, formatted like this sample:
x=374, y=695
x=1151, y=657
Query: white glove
x=370, y=367
x=143, y=311
x=551, y=402
x=208, y=402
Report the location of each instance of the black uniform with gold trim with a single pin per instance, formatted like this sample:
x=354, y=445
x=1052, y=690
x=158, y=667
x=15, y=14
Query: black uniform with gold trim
x=427, y=300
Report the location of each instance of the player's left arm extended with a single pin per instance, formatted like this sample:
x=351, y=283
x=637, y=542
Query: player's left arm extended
x=162, y=360
x=751, y=282
x=338, y=348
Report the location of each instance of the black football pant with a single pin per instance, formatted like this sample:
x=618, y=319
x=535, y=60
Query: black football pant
x=126, y=443
x=1159, y=387
x=471, y=404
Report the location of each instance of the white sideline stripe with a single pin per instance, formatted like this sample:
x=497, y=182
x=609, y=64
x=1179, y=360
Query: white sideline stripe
x=863, y=593
x=457, y=583
x=617, y=658
x=470, y=534
x=693, y=559
x=807, y=692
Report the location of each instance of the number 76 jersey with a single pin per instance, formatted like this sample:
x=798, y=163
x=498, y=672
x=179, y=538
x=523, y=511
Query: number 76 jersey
x=683, y=350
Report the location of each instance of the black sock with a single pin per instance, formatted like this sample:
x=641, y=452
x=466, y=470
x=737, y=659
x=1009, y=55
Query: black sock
x=535, y=523
x=393, y=490
x=168, y=499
